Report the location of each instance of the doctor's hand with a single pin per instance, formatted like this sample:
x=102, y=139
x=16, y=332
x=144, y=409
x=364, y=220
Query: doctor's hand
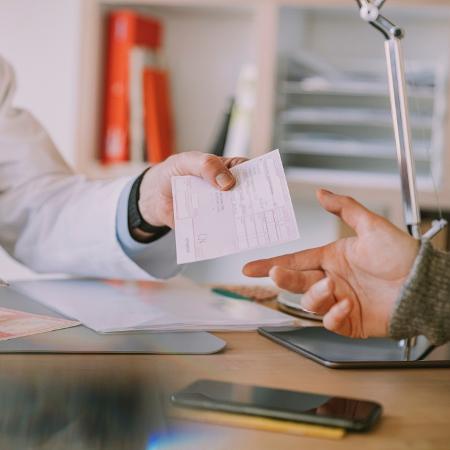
x=353, y=282
x=155, y=196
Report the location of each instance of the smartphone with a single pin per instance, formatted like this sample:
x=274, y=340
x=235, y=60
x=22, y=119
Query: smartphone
x=348, y=413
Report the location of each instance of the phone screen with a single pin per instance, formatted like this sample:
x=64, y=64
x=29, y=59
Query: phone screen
x=279, y=403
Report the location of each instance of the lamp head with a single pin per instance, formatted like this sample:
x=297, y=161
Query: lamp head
x=369, y=12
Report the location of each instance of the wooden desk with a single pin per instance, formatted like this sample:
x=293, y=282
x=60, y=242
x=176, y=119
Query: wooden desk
x=416, y=402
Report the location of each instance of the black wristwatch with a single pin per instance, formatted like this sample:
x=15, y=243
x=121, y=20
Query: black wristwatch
x=135, y=219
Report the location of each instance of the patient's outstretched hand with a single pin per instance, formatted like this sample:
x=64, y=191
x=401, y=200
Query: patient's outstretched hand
x=353, y=282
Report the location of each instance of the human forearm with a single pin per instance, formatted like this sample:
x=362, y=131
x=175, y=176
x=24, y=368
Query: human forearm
x=423, y=307
x=51, y=219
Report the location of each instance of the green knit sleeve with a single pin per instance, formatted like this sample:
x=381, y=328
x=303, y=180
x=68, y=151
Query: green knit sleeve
x=423, y=307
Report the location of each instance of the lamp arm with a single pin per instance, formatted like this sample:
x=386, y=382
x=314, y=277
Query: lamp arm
x=402, y=132
x=370, y=12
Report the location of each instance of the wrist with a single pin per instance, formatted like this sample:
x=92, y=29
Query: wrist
x=139, y=228
x=149, y=213
x=422, y=306
x=150, y=197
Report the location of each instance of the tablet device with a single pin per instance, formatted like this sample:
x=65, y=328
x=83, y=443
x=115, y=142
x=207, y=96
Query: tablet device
x=340, y=352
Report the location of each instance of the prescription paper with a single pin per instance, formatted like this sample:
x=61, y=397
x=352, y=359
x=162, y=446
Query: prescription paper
x=256, y=213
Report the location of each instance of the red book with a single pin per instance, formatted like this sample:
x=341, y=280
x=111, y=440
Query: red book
x=157, y=115
x=125, y=30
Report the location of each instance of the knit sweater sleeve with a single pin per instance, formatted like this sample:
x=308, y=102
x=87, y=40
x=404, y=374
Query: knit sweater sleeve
x=423, y=306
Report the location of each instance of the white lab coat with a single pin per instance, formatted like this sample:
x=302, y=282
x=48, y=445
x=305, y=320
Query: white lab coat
x=51, y=219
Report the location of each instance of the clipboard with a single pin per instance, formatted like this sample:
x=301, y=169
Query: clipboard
x=81, y=339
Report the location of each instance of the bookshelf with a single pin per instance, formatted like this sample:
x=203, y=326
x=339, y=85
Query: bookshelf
x=204, y=49
x=208, y=41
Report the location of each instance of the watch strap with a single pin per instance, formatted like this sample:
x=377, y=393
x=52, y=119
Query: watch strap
x=135, y=219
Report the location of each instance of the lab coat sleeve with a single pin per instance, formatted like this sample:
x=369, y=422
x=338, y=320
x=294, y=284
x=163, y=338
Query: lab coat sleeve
x=161, y=260
x=51, y=219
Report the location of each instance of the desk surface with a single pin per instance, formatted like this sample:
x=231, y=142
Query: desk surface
x=416, y=402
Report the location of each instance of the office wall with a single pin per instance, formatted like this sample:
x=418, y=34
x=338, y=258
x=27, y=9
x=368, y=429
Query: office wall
x=41, y=40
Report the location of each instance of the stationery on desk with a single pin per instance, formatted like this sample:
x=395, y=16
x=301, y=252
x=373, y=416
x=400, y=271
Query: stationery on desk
x=259, y=294
x=179, y=305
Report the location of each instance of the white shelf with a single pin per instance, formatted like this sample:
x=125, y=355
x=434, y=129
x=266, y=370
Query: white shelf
x=351, y=179
x=363, y=117
x=347, y=88
x=299, y=144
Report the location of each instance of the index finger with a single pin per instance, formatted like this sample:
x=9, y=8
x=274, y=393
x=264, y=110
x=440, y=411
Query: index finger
x=310, y=259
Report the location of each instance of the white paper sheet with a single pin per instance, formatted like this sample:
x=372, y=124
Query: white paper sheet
x=256, y=213
x=178, y=305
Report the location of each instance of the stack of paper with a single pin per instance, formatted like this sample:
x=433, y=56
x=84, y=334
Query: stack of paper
x=176, y=306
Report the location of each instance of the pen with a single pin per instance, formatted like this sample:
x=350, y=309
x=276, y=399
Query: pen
x=230, y=294
x=260, y=423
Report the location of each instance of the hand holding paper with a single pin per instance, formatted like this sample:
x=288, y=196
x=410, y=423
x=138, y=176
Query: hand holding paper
x=256, y=213
x=155, y=193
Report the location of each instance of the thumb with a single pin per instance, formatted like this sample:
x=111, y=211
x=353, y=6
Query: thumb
x=209, y=167
x=347, y=209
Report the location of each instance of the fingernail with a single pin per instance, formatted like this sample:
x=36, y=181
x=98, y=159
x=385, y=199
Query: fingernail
x=326, y=192
x=272, y=271
x=224, y=179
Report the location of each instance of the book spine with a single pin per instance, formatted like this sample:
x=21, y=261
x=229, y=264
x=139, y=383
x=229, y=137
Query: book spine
x=238, y=138
x=140, y=58
x=166, y=118
x=127, y=32
x=158, y=117
x=115, y=135
x=219, y=144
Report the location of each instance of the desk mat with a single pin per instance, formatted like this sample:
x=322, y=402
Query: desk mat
x=84, y=340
